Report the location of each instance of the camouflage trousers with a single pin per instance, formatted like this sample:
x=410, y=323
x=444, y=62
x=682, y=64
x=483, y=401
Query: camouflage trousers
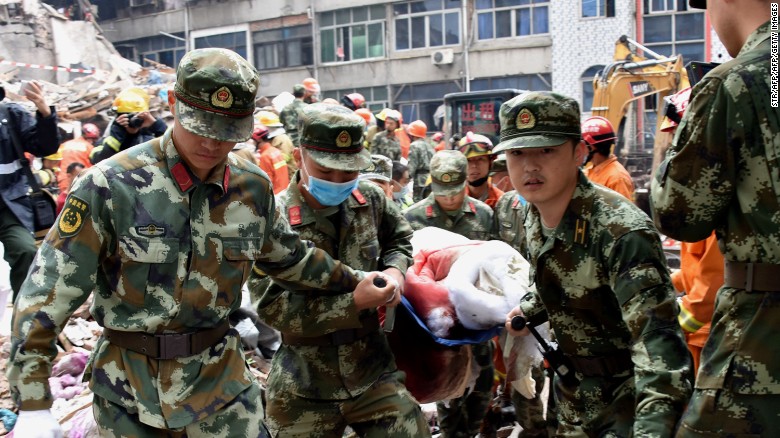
x=599, y=406
x=417, y=187
x=723, y=413
x=530, y=413
x=386, y=409
x=242, y=417
x=462, y=416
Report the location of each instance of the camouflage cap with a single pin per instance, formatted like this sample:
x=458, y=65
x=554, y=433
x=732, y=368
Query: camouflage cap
x=215, y=94
x=448, y=172
x=538, y=119
x=333, y=137
x=499, y=164
x=381, y=168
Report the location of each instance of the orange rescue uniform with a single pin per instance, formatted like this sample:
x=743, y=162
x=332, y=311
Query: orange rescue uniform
x=271, y=160
x=700, y=277
x=73, y=151
x=493, y=194
x=612, y=175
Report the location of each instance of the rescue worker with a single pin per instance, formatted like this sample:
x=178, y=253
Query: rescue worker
x=289, y=115
x=37, y=135
x=380, y=172
x=335, y=341
x=601, y=165
x=71, y=172
x=47, y=175
x=401, y=179
x=601, y=276
x=478, y=150
x=438, y=140
x=508, y=219
x=721, y=174
x=450, y=208
x=386, y=142
x=311, y=90
x=133, y=125
x=166, y=234
x=77, y=151
x=278, y=137
x=420, y=153
x=270, y=159
x=379, y=126
x=353, y=101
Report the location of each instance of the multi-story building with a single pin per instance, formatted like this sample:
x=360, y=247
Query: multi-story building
x=408, y=54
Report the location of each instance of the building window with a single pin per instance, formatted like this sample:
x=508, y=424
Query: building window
x=355, y=33
x=665, y=6
x=235, y=41
x=157, y=49
x=512, y=18
x=280, y=48
x=587, y=87
x=536, y=82
x=597, y=8
x=676, y=33
x=430, y=23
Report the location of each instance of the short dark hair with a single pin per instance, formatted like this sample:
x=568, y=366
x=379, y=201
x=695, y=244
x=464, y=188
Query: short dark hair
x=399, y=169
x=72, y=166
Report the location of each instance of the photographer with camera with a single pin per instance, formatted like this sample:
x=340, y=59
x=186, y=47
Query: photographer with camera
x=37, y=135
x=133, y=125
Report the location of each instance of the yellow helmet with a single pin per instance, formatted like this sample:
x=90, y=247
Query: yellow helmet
x=268, y=118
x=55, y=156
x=132, y=100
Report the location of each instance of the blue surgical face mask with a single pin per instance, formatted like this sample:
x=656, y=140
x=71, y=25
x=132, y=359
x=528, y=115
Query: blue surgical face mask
x=401, y=194
x=328, y=193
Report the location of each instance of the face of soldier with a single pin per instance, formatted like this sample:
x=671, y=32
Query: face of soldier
x=478, y=167
x=450, y=203
x=546, y=177
x=200, y=153
x=391, y=125
x=402, y=182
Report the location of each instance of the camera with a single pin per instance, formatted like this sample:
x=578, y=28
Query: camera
x=134, y=120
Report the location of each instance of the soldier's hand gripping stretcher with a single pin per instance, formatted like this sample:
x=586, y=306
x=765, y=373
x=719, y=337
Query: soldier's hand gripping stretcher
x=518, y=325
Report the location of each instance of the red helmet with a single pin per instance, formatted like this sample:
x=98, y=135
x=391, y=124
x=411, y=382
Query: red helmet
x=260, y=133
x=598, y=132
x=353, y=101
x=418, y=128
x=89, y=130
x=311, y=85
x=438, y=136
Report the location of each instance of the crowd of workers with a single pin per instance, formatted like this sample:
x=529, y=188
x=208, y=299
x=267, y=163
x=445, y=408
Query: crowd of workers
x=165, y=225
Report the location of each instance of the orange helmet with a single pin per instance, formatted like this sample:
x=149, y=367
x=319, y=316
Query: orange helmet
x=365, y=113
x=418, y=128
x=171, y=98
x=475, y=145
x=89, y=130
x=311, y=85
x=353, y=101
x=260, y=133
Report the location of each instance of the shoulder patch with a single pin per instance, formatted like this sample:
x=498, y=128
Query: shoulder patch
x=72, y=217
x=359, y=197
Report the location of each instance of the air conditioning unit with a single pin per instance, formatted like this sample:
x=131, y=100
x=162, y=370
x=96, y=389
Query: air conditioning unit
x=441, y=57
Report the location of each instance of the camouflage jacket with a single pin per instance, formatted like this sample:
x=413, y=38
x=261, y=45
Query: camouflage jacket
x=373, y=236
x=474, y=219
x=383, y=144
x=508, y=219
x=420, y=153
x=603, y=279
x=289, y=118
x=164, y=253
x=721, y=174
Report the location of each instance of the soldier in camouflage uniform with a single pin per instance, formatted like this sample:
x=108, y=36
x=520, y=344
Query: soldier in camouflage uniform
x=721, y=174
x=448, y=207
x=380, y=172
x=420, y=154
x=335, y=367
x=600, y=272
x=386, y=142
x=166, y=233
x=289, y=115
x=508, y=220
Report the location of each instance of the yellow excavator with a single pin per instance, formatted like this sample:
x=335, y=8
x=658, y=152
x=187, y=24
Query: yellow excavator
x=629, y=78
